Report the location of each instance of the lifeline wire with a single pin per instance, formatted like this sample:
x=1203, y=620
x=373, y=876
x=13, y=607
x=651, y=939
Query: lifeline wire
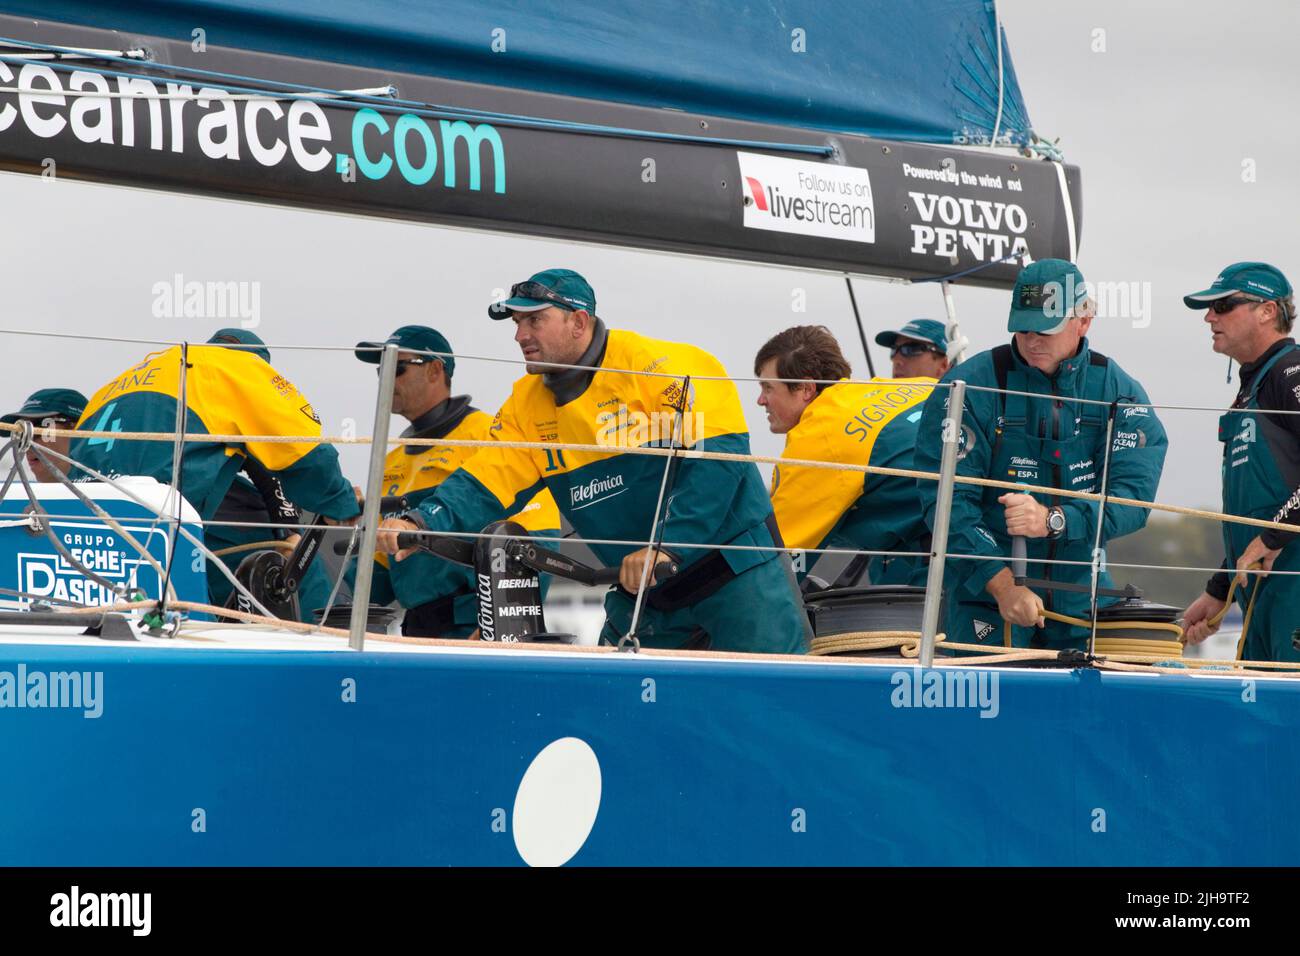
x=686, y=545
x=559, y=366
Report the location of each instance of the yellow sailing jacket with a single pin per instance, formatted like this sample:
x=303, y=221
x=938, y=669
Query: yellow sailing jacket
x=610, y=493
x=227, y=392
x=862, y=424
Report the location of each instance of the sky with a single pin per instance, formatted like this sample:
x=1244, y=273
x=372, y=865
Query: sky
x=1181, y=116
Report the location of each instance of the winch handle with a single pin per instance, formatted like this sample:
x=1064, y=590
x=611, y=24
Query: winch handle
x=453, y=549
x=411, y=539
x=541, y=559
x=302, y=557
x=1019, y=555
x=663, y=571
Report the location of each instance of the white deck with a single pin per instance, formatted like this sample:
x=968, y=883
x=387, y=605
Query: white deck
x=198, y=637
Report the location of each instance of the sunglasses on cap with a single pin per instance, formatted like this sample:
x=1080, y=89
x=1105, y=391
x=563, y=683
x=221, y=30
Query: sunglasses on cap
x=1224, y=306
x=1039, y=297
x=535, y=290
x=402, y=365
x=912, y=350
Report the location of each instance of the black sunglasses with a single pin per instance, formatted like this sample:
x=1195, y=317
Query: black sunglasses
x=1224, y=306
x=535, y=290
x=402, y=365
x=912, y=350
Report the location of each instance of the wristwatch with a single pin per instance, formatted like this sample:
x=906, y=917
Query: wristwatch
x=1055, y=522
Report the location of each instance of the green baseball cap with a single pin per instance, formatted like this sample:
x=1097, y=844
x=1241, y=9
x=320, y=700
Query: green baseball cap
x=242, y=337
x=563, y=288
x=412, y=338
x=1253, y=278
x=50, y=403
x=926, y=330
x=1045, y=296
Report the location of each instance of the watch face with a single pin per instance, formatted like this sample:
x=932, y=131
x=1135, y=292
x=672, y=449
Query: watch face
x=1056, y=521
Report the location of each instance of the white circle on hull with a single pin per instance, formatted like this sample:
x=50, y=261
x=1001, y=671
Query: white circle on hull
x=557, y=803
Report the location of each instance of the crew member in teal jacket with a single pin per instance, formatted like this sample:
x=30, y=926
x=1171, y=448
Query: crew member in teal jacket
x=1250, y=309
x=228, y=391
x=853, y=423
x=1051, y=439
x=743, y=598
x=440, y=597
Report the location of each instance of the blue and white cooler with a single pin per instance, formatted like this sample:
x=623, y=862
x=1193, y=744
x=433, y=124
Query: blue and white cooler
x=31, y=568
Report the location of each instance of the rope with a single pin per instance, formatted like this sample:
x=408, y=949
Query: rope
x=997, y=41
x=910, y=639
x=908, y=643
x=1135, y=655
x=1103, y=626
x=1109, y=646
x=1043, y=149
x=1153, y=648
x=253, y=546
x=1216, y=619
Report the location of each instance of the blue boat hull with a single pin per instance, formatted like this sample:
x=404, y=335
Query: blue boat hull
x=703, y=762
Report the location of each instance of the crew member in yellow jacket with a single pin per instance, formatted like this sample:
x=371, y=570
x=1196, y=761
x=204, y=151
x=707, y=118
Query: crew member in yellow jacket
x=626, y=390
x=439, y=596
x=228, y=391
x=852, y=423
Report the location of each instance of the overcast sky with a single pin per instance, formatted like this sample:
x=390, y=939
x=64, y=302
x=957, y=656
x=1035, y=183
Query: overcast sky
x=1160, y=123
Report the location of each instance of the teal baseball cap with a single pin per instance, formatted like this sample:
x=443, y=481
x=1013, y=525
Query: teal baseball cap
x=1253, y=278
x=412, y=338
x=1045, y=296
x=50, y=403
x=563, y=288
x=926, y=330
x=242, y=337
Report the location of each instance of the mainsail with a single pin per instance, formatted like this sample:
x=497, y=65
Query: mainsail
x=784, y=133
x=923, y=72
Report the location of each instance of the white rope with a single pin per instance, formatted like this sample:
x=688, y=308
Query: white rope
x=1069, y=209
x=997, y=41
x=957, y=342
x=187, y=97
x=68, y=53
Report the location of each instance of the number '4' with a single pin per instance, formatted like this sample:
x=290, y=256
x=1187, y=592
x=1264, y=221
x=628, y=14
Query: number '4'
x=103, y=425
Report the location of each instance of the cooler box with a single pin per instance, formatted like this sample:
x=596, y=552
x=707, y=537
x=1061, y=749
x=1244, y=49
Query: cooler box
x=30, y=563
